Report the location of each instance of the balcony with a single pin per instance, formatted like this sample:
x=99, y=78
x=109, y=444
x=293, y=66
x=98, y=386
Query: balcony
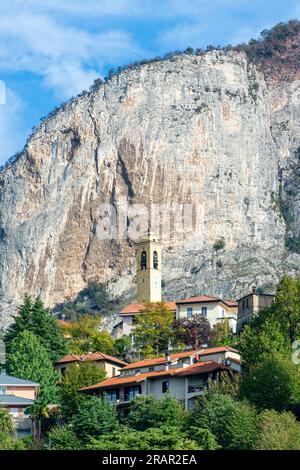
x=127, y=398
x=196, y=390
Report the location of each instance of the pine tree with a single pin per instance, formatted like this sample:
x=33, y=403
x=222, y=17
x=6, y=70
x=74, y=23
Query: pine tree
x=29, y=360
x=34, y=317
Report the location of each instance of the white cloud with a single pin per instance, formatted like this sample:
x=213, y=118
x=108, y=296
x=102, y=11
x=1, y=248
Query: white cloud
x=69, y=59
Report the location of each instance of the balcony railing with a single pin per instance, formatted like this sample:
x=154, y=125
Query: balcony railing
x=196, y=388
x=123, y=399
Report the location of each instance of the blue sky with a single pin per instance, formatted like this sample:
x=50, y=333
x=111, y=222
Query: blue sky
x=51, y=50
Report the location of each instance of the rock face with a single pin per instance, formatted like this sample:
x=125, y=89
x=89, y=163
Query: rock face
x=208, y=131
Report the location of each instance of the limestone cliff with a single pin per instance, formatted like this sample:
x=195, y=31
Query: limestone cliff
x=206, y=129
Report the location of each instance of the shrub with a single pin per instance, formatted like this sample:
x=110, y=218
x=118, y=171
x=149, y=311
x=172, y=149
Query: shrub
x=94, y=418
x=6, y=423
x=219, y=244
x=278, y=431
x=63, y=438
x=147, y=412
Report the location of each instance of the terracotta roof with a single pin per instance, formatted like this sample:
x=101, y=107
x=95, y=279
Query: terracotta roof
x=138, y=308
x=175, y=356
x=217, y=349
x=63, y=323
x=159, y=360
x=206, y=298
x=90, y=357
x=200, y=368
x=231, y=303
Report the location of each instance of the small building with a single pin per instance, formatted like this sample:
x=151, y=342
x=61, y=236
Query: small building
x=184, y=375
x=111, y=365
x=17, y=395
x=216, y=310
x=250, y=305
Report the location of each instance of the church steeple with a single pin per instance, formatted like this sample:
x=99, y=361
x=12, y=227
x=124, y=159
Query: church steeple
x=148, y=267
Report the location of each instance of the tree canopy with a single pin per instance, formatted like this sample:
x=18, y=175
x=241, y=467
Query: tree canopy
x=155, y=331
x=33, y=316
x=75, y=377
x=29, y=360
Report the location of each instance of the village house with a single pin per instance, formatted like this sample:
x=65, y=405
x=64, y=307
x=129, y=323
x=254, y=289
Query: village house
x=17, y=395
x=149, y=280
x=184, y=375
x=111, y=365
x=250, y=305
x=214, y=309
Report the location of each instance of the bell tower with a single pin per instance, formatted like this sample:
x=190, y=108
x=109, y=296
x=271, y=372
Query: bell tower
x=148, y=269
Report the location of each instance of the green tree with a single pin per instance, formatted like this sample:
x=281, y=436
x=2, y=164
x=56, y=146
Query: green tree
x=229, y=384
x=77, y=376
x=164, y=438
x=86, y=335
x=29, y=359
x=94, y=418
x=155, y=330
x=286, y=308
x=205, y=439
x=277, y=431
x=273, y=384
x=123, y=345
x=214, y=411
x=242, y=427
x=260, y=340
x=6, y=423
x=63, y=438
x=33, y=316
x=222, y=335
x=149, y=412
x=8, y=442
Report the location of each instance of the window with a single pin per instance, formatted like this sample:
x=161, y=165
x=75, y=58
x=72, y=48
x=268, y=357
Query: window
x=113, y=371
x=165, y=386
x=204, y=311
x=155, y=260
x=247, y=303
x=112, y=395
x=189, y=312
x=2, y=390
x=151, y=369
x=143, y=260
x=223, y=313
x=131, y=392
x=137, y=371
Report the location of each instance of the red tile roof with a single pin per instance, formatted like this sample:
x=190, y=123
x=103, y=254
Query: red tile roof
x=206, y=298
x=138, y=308
x=63, y=323
x=200, y=368
x=160, y=360
x=175, y=356
x=91, y=357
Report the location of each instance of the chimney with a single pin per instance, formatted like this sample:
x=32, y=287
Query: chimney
x=168, y=359
x=254, y=290
x=3, y=372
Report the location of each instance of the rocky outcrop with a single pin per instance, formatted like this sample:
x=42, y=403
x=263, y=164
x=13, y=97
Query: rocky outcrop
x=207, y=131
